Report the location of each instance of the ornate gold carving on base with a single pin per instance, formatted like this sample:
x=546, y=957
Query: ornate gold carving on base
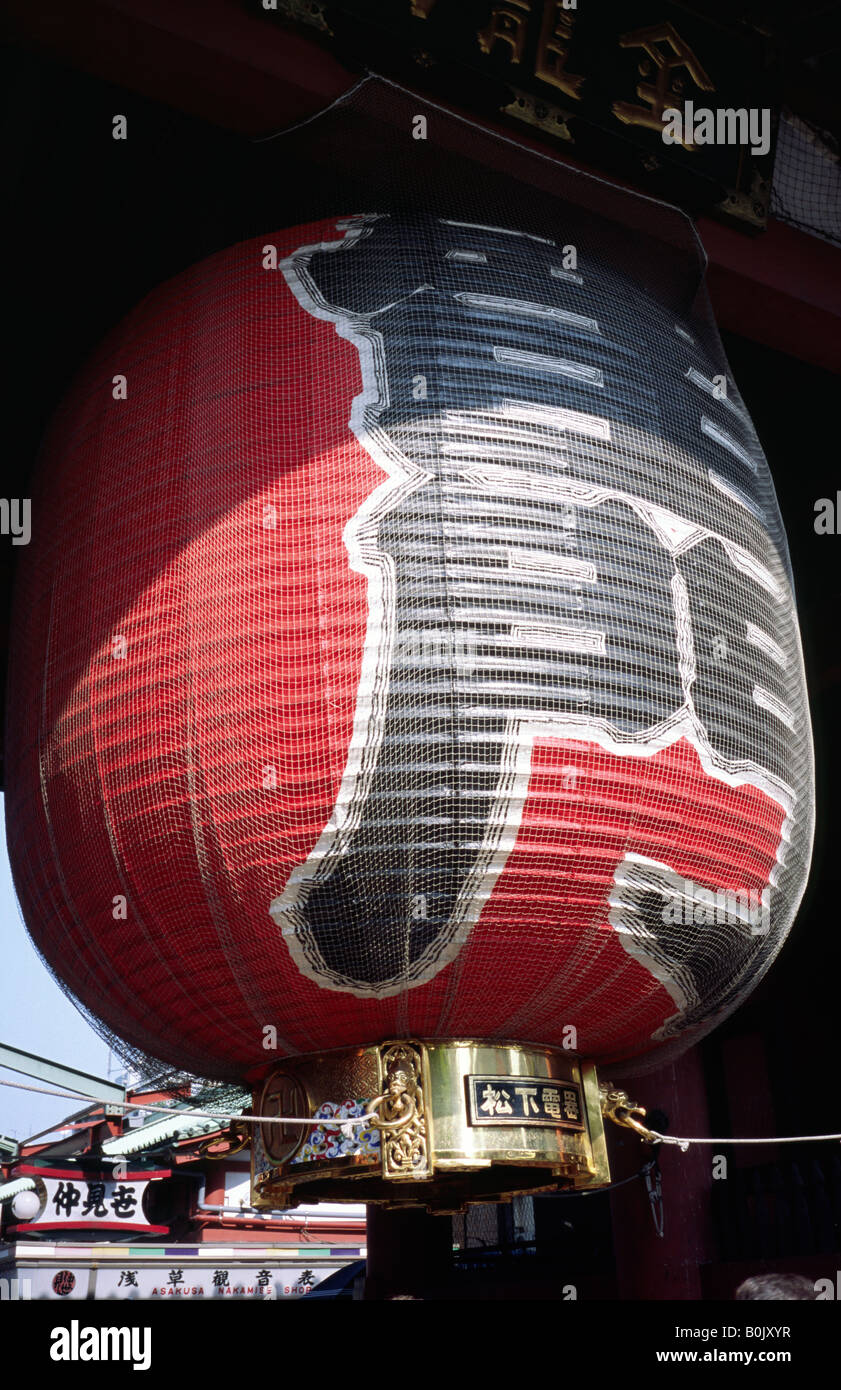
x=399, y=1114
x=617, y=1107
x=441, y=1124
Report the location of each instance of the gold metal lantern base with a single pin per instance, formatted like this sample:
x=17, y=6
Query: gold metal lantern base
x=447, y=1124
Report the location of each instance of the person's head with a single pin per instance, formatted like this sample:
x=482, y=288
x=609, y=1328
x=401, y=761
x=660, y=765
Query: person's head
x=776, y=1286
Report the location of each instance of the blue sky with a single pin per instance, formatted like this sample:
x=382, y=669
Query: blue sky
x=37, y=1016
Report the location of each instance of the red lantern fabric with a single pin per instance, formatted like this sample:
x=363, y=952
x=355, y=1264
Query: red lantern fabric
x=365, y=681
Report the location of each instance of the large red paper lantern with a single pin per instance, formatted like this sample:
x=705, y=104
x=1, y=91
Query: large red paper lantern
x=406, y=648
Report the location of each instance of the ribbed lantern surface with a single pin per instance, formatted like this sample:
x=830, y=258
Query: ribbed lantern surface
x=411, y=653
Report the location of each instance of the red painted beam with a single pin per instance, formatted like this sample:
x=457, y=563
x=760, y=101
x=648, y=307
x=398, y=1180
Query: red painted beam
x=781, y=288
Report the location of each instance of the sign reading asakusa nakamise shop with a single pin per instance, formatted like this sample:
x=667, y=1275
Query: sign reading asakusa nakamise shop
x=72, y=1199
x=69, y=1273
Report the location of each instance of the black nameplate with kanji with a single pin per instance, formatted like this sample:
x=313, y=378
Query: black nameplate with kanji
x=524, y=1100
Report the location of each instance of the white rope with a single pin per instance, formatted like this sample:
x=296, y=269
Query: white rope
x=684, y=1144
x=332, y=1121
